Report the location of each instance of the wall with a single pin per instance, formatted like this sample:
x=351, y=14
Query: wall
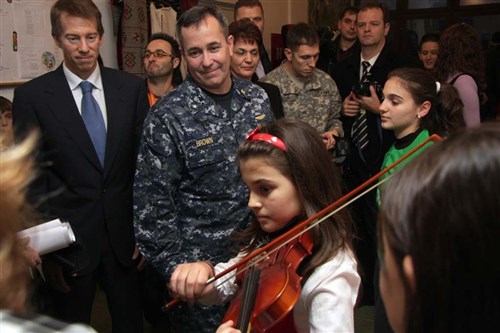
x=277, y=13
x=108, y=48
x=281, y=12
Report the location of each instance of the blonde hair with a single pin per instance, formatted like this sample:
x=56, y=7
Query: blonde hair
x=16, y=165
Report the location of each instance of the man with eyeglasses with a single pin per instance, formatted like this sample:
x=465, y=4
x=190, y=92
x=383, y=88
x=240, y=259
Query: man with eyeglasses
x=162, y=59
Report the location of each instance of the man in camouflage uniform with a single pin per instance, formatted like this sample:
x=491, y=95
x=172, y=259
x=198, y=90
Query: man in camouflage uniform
x=307, y=93
x=189, y=196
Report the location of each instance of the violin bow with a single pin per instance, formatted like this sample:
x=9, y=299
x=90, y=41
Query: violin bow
x=325, y=213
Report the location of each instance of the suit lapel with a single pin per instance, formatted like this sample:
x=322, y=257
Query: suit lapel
x=63, y=106
x=115, y=105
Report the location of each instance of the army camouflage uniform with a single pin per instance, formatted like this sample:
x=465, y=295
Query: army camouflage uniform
x=188, y=194
x=317, y=103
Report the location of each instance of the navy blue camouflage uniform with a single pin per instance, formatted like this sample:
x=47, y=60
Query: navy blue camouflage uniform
x=188, y=194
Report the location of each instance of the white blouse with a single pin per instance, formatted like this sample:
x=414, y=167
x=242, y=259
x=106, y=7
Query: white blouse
x=327, y=299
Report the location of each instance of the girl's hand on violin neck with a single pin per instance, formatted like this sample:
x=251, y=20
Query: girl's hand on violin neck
x=188, y=280
x=227, y=327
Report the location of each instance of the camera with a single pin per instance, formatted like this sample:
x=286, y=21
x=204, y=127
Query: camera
x=341, y=150
x=362, y=88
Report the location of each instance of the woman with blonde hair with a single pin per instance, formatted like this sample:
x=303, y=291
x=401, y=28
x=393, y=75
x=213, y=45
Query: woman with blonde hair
x=16, y=170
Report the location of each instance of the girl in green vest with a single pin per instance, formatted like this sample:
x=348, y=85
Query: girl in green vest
x=414, y=107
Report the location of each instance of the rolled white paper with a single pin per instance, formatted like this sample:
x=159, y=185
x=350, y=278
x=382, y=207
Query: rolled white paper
x=50, y=236
x=39, y=228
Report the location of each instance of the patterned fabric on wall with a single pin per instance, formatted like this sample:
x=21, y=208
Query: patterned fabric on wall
x=134, y=36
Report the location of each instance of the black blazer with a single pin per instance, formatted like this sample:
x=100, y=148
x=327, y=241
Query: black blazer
x=71, y=184
x=346, y=74
x=273, y=92
x=264, y=58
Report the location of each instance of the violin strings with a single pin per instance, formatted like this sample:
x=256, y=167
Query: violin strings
x=250, y=286
x=229, y=276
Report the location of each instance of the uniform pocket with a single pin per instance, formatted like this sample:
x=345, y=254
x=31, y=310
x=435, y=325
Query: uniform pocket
x=209, y=153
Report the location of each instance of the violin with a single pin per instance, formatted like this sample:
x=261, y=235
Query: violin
x=269, y=282
x=277, y=275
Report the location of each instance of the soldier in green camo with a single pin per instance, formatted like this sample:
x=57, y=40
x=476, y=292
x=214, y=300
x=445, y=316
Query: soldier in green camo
x=307, y=93
x=188, y=195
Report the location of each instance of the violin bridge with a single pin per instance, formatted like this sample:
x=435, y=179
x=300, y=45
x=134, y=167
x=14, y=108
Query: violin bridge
x=260, y=258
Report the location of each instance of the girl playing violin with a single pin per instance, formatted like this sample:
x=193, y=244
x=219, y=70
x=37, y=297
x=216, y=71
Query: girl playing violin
x=290, y=176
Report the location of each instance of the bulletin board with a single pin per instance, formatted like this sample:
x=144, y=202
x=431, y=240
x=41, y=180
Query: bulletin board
x=27, y=49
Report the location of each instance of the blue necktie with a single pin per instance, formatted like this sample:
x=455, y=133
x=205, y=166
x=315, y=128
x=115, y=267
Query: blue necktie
x=92, y=117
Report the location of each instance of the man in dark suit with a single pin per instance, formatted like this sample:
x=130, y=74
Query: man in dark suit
x=372, y=28
x=86, y=176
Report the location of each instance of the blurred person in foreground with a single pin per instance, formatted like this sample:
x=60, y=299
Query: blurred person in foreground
x=16, y=169
x=6, y=129
x=439, y=244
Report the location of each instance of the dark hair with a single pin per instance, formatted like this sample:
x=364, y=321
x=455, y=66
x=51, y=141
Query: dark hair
x=375, y=4
x=195, y=15
x=86, y=9
x=317, y=179
x=247, y=3
x=348, y=9
x=169, y=39
x=246, y=31
x=176, y=53
x=446, y=113
x=301, y=34
x=432, y=37
x=284, y=33
x=459, y=51
x=442, y=210
x=5, y=104
x=495, y=38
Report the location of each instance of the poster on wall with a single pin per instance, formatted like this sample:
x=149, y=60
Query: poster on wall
x=27, y=49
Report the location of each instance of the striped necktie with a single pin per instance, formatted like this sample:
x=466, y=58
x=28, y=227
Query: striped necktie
x=360, y=127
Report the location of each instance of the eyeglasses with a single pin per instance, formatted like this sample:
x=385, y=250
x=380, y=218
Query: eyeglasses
x=156, y=54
